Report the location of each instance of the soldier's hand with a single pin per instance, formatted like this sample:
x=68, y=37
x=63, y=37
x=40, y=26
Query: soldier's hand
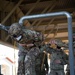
x=27, y=45
x=30, y=45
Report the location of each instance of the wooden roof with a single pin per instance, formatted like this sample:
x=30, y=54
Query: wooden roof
x=12, y=10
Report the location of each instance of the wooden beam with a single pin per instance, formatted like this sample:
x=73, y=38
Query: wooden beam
x=63, y=34
x=10, y=13
x=56, y=33
x=33, y=6
x=8, y=6
x=37, y=10
x=64, y=39
x=59, y=30
x=21, y=14
x=70, y=9
x=60, y=26
x=46, y=12
x=42, y=4
x=45, y=9
x=28, y=6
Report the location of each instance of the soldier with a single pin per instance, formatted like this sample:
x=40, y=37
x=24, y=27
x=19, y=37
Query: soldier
x=58, y=58
x=29, y=43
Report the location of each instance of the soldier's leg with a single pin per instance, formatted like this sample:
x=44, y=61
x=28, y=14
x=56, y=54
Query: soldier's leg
x=21, y=65
x=30, y=61
x=29, y=66
x=21, y=68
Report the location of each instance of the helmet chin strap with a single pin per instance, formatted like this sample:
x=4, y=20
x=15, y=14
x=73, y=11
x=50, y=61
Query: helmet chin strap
x=19, y=38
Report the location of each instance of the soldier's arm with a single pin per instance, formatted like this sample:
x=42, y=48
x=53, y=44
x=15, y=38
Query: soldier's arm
x=33, y=35
x=38, y=36
x=65, y=58
x=20, y=47
x=47, y=48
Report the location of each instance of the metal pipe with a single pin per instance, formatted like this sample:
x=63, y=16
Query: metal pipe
x=69, y=19
x=43, y=15
x=71, y=51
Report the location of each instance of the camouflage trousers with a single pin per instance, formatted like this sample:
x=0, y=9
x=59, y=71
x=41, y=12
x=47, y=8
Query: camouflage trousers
x=26, y=63
x=30, y=61
x=21, y=68
x=57, y=72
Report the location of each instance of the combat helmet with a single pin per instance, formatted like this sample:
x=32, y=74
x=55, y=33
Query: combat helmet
x=59, y=43
x=15, y=31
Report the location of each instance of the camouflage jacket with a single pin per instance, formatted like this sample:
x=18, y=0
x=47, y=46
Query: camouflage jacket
x=56, y=55
x=30, y=36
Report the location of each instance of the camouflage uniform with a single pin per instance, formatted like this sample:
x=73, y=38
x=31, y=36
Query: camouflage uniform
x=29, y=48
x=57, y=60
